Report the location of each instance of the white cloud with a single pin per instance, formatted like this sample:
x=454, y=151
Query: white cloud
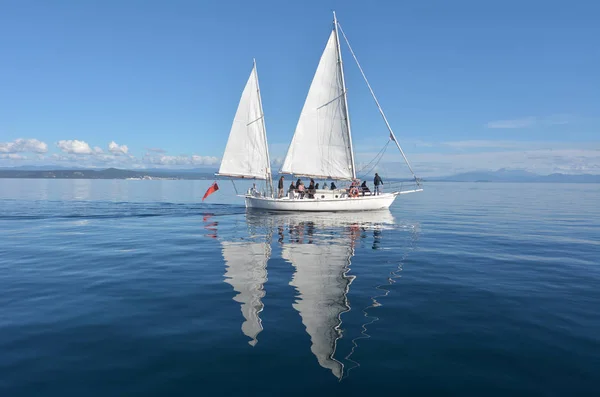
x=204, y=160
x=542, y=157
x=479, y=144
x=555, y=119
x=63, y=157
x=515, y=123
x=23, y=145
x=114, y=148
x=277, y=161
x=542, y=161
x=179, y=160
x=74, y=146
x=12, y=156
x=97, y=150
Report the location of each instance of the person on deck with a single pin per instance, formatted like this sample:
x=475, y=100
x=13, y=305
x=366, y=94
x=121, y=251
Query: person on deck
x=311, y=189
x=298, y=182
x=353, y=189
x=333, y=187
x=280, y=187
x=377, y=181
x=301, y=189
x=365, y=188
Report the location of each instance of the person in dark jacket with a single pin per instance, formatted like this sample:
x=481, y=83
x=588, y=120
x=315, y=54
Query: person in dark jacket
x=298, y=182
x=333, y=187
x=280, y=187
x=365, y=188
x=311, y=189
x=377, y=181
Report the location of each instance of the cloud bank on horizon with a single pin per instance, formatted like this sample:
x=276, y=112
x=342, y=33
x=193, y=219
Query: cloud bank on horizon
x=428, y=158
x=77, y=153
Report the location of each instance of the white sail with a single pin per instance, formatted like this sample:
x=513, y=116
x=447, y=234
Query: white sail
x=322, y=285
x=246, y=154
x=321, y=146
x=247, y=273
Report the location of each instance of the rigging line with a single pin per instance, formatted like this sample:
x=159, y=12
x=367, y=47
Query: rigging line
x=234, y=187
x=379, y=155
x=377, y=103
x=334, y=99
x=376, y=164
x=254, y=121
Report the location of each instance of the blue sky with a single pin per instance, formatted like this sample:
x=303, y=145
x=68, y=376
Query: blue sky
x=465, y=84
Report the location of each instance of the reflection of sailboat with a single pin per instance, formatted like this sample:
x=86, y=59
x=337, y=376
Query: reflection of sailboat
x=247, y=273
x=319, y=247
x=322, y=283
x=321, y=274
x=324, y=220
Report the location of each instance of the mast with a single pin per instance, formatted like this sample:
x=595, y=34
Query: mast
x=262, y=116
x=341, y=68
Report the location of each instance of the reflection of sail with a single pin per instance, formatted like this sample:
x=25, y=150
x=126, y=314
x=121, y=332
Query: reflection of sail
x=320, y=248
x=322, y=285
x=247, y=273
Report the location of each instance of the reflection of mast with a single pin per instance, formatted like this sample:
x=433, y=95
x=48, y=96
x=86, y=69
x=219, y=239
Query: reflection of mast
x=384, y=291
x=322, y=285
x=247, y=272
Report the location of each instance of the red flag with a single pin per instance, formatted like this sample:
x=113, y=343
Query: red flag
x=213, y=188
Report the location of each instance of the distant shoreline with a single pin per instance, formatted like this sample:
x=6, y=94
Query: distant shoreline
x=115, y=173
x=110, y=173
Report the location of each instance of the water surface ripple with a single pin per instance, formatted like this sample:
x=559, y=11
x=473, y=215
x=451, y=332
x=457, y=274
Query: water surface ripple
x=137, y=288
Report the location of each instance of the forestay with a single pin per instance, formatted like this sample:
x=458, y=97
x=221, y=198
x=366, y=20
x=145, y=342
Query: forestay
x=246, y=153
x=321, y=145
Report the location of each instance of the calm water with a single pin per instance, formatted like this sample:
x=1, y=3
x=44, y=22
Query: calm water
x=136, y=288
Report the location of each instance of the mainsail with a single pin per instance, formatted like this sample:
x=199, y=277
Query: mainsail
x=322, y=146
x=322, y=284
x=246, y=154
x=247, y=273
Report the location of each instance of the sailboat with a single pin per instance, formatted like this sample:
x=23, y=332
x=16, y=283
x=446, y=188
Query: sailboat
x=321, y=147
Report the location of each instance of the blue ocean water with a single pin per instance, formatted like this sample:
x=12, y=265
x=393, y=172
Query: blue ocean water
x=137, y=288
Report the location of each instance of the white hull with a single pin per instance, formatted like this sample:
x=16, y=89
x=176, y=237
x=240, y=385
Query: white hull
x=361, y=203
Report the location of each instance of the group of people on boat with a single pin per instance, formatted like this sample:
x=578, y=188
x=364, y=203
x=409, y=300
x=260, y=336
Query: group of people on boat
x=354, y=190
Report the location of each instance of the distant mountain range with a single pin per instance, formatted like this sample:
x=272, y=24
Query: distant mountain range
x=53, y=172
